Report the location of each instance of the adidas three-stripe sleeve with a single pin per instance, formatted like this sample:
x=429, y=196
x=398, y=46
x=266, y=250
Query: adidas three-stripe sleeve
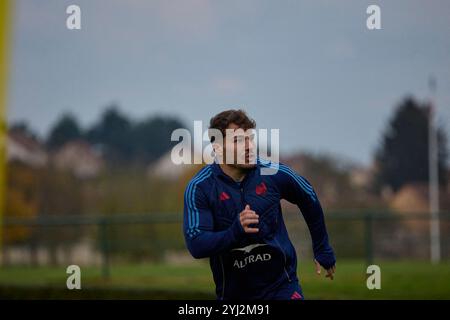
x=297, y=190
x=201, y=240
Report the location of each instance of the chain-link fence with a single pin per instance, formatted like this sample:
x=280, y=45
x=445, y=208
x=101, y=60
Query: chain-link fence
x=127, y=239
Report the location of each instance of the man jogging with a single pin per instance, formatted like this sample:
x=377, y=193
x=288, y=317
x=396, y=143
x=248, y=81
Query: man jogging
x=232, y=214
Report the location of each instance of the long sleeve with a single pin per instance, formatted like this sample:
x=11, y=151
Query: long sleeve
x=297, y=190
x=198, y=226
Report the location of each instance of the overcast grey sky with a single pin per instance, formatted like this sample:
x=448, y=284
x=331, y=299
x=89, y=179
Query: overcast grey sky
x=310, y=68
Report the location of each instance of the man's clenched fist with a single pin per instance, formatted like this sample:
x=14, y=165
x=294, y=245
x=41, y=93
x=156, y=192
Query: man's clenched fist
x=248, y=217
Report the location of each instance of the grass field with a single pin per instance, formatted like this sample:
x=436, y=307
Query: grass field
x=399, y=280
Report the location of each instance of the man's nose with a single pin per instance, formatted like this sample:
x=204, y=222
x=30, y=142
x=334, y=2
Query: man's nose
x=249, y=145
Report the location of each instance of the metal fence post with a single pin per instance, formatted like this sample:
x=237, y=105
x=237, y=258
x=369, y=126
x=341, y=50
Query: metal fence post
x=103, y=230
x=368, y=225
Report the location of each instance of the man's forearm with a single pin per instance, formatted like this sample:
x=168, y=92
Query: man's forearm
x=211, y=243
x=315, y=220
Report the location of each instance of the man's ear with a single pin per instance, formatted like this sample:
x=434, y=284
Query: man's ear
x=218, y=149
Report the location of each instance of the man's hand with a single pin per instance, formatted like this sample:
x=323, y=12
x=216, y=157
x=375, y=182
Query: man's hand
x=330, y=272
x=248, y=217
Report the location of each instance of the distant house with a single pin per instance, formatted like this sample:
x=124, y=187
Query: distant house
x=412, y=202
x=361, y=177
x=79, y=157
x=165, y=168
x=22, y=147
x=411, y=198
x=414, y=198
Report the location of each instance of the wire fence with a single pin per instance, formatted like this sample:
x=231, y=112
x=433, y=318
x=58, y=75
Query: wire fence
x=125, y=239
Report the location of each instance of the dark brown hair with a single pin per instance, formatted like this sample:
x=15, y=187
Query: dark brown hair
x=222, y=120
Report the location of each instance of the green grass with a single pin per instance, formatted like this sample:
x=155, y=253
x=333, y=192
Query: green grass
x=399, y=280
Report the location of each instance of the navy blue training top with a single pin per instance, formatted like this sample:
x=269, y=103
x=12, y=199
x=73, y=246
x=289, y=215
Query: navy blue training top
x=244, y=265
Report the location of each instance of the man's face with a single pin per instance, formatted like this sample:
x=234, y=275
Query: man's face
x=242, y=143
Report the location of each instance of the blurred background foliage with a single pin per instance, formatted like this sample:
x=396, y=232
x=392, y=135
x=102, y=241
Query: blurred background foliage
x=121, y=167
